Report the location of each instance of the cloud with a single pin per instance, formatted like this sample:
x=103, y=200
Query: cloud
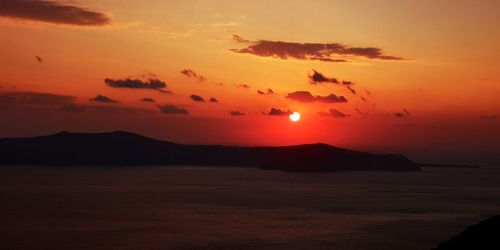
x=333, y=113
x=236, y=113
x=353, y=91
x=135, y=83
x=117, y=110
x=318, y=78
x=267, y=92
x=213, y=99
x=165, y=91
x=403, y=114
x=172, y=109
x=488, y=117
x=242, y=85
x=35, y=98
x=306, y=96
x=361, y=112
x=105, y=99
x=190, y=73
x=73, y=107
x=147, y=99
x=240, y=39
x=39, y=59
x=278, y=112
x=197, y=98
x=326, y=52
x=52, y=12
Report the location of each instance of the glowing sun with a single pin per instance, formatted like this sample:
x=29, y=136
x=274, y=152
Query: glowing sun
x=295, y=117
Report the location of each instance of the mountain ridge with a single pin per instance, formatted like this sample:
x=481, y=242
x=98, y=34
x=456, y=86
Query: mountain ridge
x=128, y=149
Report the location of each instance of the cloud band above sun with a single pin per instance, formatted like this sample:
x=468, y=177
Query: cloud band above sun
x=326, y=52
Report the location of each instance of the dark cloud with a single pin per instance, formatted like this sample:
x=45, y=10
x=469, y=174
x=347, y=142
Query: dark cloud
x=326, y=52
x=278, y=112
x=242, y=85
x=135, y=83
x=368, y=92
x=353, y=91
x=213, y=99
x=35, y=98
x=318, y=78
x=403, y=114
x=39, y=59
x=363, y=99
x=197, y=98
x=73, y=107
x=172, y=109
x=306, y=96
x=52, y=12
x=147, y=99
x=267, y=92
x=105, y=99
x=236, y=113
x=333, y=113
x=488, y=117
x=191, y=73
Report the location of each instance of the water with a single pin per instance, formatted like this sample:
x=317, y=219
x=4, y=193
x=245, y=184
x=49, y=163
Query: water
x=239, y=208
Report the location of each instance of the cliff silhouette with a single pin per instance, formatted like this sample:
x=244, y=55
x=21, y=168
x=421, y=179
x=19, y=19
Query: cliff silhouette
x=483, y=236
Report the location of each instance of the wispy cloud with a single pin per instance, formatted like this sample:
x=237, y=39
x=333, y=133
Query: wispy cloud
x=191, y=74
x=172, y=109
x=242, y=85
x=104, y=99
x=73, y=107
x=306, y=96
x=266, y=92
x=333, y=113
x=236, y=113
x=35, y=98
x=403, y=114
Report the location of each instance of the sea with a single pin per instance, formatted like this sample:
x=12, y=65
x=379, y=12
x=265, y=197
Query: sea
x=185, y=207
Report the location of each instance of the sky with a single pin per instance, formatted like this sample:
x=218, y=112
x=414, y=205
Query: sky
x=413, y=77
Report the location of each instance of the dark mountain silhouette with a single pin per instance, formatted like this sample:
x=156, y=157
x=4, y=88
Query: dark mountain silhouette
x=481, y=237
x=128, y=149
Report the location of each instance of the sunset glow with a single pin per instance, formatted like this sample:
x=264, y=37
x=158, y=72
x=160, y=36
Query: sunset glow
x=365, y=74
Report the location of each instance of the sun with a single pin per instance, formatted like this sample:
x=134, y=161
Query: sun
x=295, y=116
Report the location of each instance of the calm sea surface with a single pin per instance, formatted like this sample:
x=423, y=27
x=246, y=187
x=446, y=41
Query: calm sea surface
x=239, y=208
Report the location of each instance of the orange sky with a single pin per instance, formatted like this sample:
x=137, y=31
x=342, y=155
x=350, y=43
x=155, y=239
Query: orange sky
x=438, y=60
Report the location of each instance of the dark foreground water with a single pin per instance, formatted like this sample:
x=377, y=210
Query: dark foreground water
x=222, y=208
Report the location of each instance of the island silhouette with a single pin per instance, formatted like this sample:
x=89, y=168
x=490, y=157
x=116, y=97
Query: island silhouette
x=128, y=149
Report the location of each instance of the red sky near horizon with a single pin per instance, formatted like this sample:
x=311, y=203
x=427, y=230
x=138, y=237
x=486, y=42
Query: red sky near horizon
x=407, y=77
